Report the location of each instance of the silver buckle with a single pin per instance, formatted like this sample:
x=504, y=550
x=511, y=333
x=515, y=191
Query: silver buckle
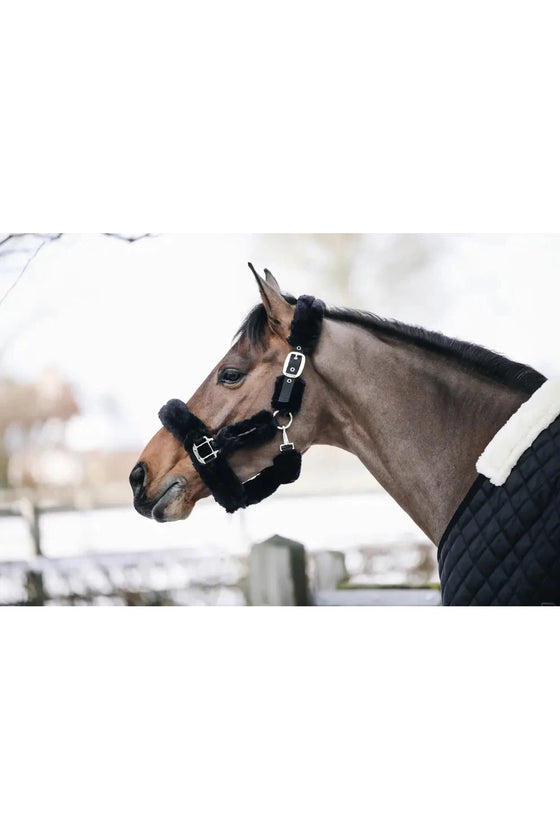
x=205, y=457
x=294, y=364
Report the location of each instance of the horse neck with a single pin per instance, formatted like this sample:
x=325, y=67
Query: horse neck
x=416, y=419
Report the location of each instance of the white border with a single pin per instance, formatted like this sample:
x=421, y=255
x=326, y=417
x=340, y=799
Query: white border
x=277, y=723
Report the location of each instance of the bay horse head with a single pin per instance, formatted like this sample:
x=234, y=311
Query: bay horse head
x=165, y=482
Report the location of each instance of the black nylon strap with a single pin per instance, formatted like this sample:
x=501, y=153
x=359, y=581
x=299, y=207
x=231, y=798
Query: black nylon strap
x=285, y=394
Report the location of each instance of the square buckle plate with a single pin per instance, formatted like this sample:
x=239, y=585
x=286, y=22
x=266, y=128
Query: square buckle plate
x=208, y=452
x=294, y=364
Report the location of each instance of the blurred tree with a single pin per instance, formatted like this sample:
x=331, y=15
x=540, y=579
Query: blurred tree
x=328, y=255
x=372, y=271
x=392, y=273
x=26, y=407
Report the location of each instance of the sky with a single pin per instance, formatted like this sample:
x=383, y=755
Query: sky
x=132, y=325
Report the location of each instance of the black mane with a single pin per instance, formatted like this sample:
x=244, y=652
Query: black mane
x=472, y=356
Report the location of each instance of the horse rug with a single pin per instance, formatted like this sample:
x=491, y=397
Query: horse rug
x=502, y=546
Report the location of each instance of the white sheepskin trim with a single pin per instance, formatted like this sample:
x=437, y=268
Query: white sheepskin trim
x=521, y=430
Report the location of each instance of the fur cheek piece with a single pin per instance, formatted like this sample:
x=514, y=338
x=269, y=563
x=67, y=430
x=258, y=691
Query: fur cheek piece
x=296, y=395
x=260, y=428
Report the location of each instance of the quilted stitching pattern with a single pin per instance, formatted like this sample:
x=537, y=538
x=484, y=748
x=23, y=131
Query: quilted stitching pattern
x=503, y=549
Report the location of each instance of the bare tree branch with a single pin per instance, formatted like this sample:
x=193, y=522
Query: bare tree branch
x=133, y=238
x=45, y=239
x=50, y=237
x=27, y=264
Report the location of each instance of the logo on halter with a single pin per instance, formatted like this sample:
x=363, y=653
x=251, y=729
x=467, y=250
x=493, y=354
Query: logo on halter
x=208, y=454
x=294, y=365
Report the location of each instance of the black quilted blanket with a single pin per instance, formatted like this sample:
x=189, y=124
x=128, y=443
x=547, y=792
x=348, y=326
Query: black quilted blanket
x=502, y=547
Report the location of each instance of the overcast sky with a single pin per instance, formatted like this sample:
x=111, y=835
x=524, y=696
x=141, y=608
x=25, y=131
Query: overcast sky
x=136, y=324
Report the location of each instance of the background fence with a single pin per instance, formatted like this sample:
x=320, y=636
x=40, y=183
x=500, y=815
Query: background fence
x=277, y=572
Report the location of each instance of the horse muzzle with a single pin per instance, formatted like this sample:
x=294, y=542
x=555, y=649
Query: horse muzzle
x=169, y=503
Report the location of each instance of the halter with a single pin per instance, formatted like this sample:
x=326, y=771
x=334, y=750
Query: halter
x=208, y=451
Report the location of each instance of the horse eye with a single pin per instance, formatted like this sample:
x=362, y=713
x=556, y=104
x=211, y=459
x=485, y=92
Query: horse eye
x=229, y=376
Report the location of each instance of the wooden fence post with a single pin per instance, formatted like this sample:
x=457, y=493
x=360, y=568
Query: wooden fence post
x=329, y=570
x=277, y=574
x=30, y=513
x=35, y=588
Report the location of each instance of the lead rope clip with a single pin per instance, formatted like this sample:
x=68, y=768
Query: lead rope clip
x=287, y=444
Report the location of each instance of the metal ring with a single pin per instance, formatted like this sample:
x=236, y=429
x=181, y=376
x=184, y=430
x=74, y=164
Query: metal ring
x=288, y=424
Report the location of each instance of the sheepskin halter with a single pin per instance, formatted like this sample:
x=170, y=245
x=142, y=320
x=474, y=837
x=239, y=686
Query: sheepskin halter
x=208, y=450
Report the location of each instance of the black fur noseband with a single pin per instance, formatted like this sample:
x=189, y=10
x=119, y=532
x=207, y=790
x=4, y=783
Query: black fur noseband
x=208, y=451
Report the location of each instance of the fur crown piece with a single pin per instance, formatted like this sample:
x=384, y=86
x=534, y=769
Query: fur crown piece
x=307, y=322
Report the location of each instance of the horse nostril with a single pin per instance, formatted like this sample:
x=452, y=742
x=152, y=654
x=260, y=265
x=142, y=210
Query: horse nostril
x=137, y=477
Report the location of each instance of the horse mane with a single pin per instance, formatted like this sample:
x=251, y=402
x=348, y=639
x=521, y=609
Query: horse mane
x=473, y=357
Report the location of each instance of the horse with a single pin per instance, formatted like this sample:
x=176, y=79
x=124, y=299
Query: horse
x=415, y=407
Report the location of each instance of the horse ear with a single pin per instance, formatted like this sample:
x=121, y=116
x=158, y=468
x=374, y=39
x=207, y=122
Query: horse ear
x=278, y=311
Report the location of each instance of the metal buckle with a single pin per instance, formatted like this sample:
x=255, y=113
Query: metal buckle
x=205, y=457
x=294, y=364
